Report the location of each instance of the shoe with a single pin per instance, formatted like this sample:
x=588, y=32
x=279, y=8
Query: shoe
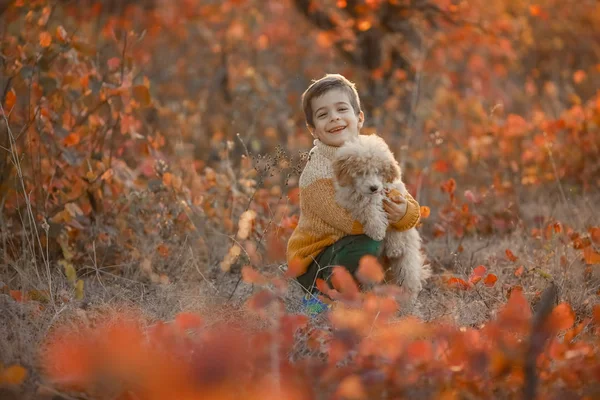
x=313, y=306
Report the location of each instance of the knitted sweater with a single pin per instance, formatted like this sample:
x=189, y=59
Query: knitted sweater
x=322, y=220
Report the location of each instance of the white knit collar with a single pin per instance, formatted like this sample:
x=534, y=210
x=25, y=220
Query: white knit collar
x=324, y=149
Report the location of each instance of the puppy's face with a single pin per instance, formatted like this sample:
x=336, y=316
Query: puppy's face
x=366, y=176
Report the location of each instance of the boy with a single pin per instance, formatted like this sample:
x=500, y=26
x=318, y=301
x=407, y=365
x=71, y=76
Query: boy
x=326, y=234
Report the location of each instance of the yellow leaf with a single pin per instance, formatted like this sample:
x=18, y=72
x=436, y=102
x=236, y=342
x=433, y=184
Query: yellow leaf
x=13, y=375
x=79, y=290
x=69, y=270
x=142, y=94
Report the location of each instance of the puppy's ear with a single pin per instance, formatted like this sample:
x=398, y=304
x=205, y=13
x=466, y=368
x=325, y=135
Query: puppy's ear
x=392, y=172
x=342, y=171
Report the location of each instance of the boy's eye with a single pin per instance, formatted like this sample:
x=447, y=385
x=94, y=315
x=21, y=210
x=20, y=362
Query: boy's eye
x=321, y=115
x=342, y=109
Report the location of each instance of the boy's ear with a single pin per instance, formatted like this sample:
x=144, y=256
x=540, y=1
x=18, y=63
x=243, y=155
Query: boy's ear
x=311, y=130
x=361, y=119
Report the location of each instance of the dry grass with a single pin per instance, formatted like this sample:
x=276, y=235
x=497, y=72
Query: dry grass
x=220, y=296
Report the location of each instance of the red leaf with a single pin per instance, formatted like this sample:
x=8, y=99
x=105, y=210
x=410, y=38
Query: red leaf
x=45, y=39
x=71, y=140
x=562, y=318
x=250, y=275
x=369, y=270
x=113, y=63
x=477, y=274
x=519, y=271
x=187, y=320
x=344, y=282
x=490, y=280
x=458, y=283
x=425, y=212
x=261, y=300
x=511, y=256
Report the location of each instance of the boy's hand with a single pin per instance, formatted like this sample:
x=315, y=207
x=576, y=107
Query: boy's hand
x=395, y=206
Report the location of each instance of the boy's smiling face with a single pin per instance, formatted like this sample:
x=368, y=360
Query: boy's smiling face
x=334, y=118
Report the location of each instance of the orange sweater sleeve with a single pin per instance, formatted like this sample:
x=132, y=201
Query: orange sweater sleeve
x=412, y=216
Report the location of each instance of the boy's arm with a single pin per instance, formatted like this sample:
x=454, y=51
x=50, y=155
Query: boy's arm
x=318, y=199
x=411, y=218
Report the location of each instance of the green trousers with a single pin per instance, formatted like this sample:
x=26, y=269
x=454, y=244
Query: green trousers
x=346, y=252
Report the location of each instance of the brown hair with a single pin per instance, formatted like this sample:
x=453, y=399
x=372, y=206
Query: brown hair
x=321, y=86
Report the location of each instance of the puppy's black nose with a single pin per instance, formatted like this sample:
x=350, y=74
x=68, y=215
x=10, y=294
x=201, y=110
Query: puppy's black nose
x=374, y=188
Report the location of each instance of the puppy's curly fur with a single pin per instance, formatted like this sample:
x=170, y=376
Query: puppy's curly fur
x=364, y=170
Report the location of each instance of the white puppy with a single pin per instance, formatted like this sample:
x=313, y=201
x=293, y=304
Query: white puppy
x=364, y=170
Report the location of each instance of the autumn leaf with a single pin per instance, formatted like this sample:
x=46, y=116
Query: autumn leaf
x=79, y=290
x=561, y=318
x=45, y=39
x=490, y=280
x=69, y=271
x=369, y=270
x=71, y=140
x=10, y=100
x=186, y=321
x=511, y=257
x=458, y=283
x=163, y=250
x=595, y=234
x=579, y=76
x=591, y=256
x=343, y=281
x=61, y=33
x=113, y=63
x=519, y=271
x=13, y=375
x=142, y=95
x=351, y=388
x=477, y=274
x=425, y=212
x=252, y=276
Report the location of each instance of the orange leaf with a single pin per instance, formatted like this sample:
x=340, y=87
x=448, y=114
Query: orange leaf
x=261, y=300
x=13, y=375
x=187, y=320
x=45, y=39
x=141, y=94
x=595, y=234
x=511, y=256
x=477, y=274
x=343, y=281
x=71, y=140
x=250, y=275
x=519, y=271
x=294, y=196
x=163, y=250
x=490, y=280
x=425, y=212
x=113, y=63
x=369, y=270
x=581, y=243
x=579, y=76
x=61, y=34
x=11, y=100
x=352, y=388
x=591, y=256
x=562, y=318
x=458, y=283
x=596, y=314
x=17, y=295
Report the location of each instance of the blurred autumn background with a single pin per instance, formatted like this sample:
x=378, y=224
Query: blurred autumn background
x=149, y=160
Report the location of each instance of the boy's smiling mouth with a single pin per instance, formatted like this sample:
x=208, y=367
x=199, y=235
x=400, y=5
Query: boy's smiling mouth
x=337, y=129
